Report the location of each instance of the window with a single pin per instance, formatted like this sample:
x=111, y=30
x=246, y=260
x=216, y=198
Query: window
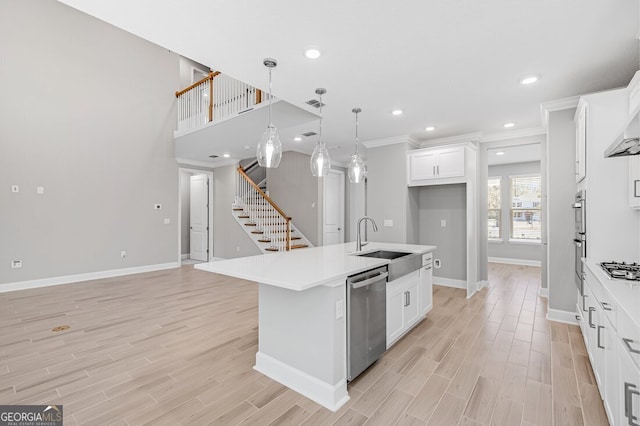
x=525, y=208
x=494, y=207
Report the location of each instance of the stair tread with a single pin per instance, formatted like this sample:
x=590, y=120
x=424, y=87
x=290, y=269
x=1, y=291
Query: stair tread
x=257, y=232
x=298, y=246
x=237, y=209
x=264, y=240
x=272, y=249
x=249, y=224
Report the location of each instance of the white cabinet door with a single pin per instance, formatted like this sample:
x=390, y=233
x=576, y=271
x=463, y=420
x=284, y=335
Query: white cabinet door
x=411, y=306
x=581, y=143
x=426, y=289
x=422, y=165
x=450, y=162
x=395, y=313
x=611, y=371
x=634, y=182
x=629, y=388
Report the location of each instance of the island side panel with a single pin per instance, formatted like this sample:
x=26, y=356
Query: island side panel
x=301, y=342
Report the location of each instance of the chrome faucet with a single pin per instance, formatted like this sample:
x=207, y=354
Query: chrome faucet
x=358, y=238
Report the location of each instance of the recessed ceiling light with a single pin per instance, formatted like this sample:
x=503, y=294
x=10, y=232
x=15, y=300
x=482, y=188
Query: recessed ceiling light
x=430, y=129
x=500, y=153
x=396, y=112
x=297, y=139
x=529, y=80
x=312, y=53
x=508, y=125
x=226, y=155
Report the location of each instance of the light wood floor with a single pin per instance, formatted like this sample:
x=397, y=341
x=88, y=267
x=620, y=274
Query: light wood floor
x=178, y=347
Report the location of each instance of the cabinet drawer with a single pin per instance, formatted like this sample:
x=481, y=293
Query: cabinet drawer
x=426, y=259
x=629, y=335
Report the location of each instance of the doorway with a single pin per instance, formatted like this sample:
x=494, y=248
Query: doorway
x=195, y=234
x=333, y=208
x=515, y=231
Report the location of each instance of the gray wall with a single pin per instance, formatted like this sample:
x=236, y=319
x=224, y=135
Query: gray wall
x=292, y=187
x=229, y=239
x=560, y=195
x=87, y=112
x=505, y=249
x=355, y=207
x=446, y=202
x=387, y=194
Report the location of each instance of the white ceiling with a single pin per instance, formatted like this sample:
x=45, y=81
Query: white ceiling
x=514, y=154
x=452, y=64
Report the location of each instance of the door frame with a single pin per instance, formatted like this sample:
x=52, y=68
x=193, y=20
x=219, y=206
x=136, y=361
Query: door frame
x=342, y=202
x=209, y=175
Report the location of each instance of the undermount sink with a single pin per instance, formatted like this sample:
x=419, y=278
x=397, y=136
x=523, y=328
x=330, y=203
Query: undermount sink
x=384, y=254
x=405, y=263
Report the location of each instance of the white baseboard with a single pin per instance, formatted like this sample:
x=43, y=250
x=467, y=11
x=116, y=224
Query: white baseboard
x=449, y=282
x=543, y=292
x=522, y=262
x=483, y=284
x=329, y=396
x=185, y=256
x=562, y=316
x=68, y=279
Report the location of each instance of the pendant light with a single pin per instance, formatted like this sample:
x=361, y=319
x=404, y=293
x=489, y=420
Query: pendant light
x=356, y=165
x=269, y=150
x=320, y=161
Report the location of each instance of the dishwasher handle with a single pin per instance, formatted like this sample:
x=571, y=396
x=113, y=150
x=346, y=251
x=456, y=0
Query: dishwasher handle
x=358, y=284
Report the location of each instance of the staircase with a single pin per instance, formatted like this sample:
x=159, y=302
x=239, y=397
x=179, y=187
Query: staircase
x=265, y=223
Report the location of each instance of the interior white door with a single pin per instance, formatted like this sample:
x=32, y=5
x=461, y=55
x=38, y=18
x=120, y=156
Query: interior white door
x=199, y=217
x=333, y=227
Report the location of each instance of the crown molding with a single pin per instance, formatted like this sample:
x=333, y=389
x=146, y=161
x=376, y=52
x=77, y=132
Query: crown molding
x=413, y=142
x=513, y=134
x=469, y=137
x=557, y=105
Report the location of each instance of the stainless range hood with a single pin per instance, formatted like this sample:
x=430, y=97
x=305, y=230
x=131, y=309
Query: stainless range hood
x=628, y=142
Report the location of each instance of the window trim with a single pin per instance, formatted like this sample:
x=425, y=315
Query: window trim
x=500, y=238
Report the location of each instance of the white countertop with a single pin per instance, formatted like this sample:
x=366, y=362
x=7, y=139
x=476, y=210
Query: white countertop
x=625, y=293
x=302, y=269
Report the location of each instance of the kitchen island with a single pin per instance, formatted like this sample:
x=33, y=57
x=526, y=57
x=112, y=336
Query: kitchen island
x=302, y=313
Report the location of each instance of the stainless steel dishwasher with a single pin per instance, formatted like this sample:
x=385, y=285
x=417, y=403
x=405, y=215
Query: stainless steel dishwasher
x=366, y=319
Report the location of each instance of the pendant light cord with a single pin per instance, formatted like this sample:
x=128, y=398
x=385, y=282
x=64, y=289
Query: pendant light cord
x=270, y=122
x=320, y=133
x=356, y=133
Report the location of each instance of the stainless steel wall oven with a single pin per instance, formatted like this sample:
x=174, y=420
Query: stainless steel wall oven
x=580, y=237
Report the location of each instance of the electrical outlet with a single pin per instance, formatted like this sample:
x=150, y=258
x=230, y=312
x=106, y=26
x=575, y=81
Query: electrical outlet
x=40, y=190
x=15, y=188
x=339, y=308
x=387, y=223
x=16, y=264
x=443, y=223
x=157, y=206
x=437, y=263
x=123, y=254
x=167, y=221
x=237, y=248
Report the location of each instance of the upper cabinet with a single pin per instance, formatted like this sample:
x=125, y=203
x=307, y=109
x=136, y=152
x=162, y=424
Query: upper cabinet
x=634, y=182
x=432, y=166
x=581, y=141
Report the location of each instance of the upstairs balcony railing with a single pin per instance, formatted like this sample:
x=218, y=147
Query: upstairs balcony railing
x=214, y=98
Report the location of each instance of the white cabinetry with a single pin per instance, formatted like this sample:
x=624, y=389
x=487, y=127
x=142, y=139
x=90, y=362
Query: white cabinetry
x=581, y=141
x=612, y=339
x=427, y=166
x=426, y=284
x=634, y=182
x=402, y=306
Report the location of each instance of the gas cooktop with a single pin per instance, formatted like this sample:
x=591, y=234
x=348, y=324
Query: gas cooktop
x=623, y=271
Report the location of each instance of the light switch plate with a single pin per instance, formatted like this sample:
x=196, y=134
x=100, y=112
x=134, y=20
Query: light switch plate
x=388, y=223
x=167, y=221
x=15, y=188
x=157, y=206
x=40, y=190
x=443, y=223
